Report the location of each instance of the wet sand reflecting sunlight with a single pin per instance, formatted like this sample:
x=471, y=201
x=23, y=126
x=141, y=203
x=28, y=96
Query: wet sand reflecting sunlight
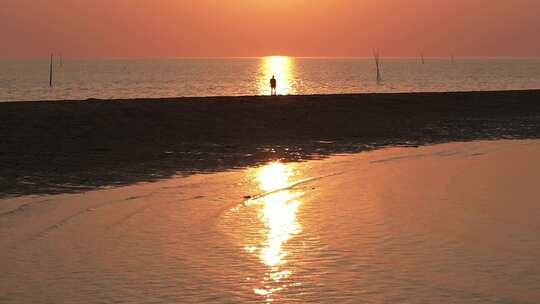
x=451, y=223
x=277, y=210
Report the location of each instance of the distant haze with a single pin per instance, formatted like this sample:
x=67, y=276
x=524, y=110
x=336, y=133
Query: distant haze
x=222, y=28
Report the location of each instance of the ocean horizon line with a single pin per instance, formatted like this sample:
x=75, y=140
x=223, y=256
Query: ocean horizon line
x=90, y=58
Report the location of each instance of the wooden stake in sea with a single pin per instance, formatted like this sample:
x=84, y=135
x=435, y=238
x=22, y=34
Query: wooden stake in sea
x=51, y=72
x=376, y=56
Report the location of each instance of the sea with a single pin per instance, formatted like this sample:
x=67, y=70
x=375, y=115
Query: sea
x=25, y=80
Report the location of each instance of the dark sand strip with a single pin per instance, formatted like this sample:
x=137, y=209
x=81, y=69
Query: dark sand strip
x=63, y=146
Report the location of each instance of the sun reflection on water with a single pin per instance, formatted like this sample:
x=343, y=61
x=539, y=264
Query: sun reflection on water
x=282, y=68
x=274, y=176
x=278, y=212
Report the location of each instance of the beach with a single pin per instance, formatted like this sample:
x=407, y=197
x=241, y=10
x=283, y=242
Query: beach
x=70, y=146
x=448, y=223
x=231, y=152
x=394, y=198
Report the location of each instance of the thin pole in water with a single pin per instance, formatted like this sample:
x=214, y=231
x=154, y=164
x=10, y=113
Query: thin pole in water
x=51, y=72
x=376, y=56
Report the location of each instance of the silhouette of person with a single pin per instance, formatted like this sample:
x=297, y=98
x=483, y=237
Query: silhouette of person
x=273, y=86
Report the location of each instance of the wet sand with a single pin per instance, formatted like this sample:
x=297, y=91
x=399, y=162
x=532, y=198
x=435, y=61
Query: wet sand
x=451, y=223
x=69, y=146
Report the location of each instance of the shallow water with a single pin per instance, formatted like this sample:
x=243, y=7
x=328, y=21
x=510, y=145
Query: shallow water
x=454, y=223
x=82, y=79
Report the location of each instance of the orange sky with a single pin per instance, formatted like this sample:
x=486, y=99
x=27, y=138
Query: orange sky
x=215, y=28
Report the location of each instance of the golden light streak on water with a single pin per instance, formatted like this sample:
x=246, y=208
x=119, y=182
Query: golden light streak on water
x=274, y=176
x=278, y=212
x=282, y=68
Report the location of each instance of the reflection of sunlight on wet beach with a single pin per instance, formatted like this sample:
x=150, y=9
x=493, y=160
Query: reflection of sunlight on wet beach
x=274, y=176
x=282, y=68
x=278, y=212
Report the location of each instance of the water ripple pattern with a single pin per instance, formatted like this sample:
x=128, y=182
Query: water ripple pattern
x=119, y=79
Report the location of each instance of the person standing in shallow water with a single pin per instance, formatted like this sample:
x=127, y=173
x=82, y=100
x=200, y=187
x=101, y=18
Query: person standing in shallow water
x=273, y=86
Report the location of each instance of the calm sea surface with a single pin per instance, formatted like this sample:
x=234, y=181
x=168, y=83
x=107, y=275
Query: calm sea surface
x=83, y=79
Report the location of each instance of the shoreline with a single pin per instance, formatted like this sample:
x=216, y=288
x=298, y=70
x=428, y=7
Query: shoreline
x=70, y=146
x=227, y=98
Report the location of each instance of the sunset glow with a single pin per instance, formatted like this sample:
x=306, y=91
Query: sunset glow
x=203, y=28
x=269, y=151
